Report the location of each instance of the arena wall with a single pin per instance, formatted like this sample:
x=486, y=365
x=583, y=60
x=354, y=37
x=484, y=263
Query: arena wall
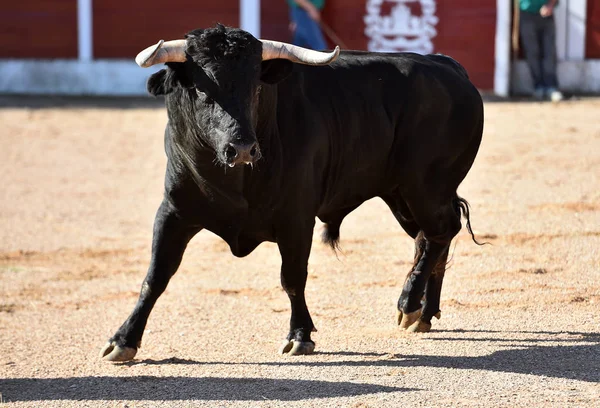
x=88, y=47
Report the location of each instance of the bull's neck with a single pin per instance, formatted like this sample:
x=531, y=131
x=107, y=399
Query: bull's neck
x=266, y=124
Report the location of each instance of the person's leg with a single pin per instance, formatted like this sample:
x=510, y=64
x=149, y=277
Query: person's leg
x=529, y=32
x=301, y=19
x=549, y=59
x=315, y=38
x=307, y=32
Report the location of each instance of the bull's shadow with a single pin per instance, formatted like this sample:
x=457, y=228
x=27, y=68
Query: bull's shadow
x=575, y=362
x=180, y=388
x=521, y=355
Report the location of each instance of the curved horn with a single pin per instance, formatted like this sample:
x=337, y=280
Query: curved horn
x=170, y=51
x=276, y=49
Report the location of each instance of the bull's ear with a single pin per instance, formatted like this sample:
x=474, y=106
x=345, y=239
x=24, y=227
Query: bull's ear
x=156, y=84
x=276, y=70
x=166, y=80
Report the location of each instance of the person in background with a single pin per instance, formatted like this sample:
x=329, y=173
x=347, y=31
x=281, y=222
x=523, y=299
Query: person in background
x=538, y=37
x=305, y=16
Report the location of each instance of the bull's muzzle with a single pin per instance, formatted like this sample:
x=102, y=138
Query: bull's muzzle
x=247, y=153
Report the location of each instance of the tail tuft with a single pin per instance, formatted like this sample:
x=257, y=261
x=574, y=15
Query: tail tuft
x=331, y=236
x=463, y=206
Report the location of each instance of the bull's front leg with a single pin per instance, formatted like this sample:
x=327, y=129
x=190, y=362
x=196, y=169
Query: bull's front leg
x=170, y=238
x=294, y=244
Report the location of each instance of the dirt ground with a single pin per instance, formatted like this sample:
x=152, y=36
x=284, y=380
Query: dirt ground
x=81, y=180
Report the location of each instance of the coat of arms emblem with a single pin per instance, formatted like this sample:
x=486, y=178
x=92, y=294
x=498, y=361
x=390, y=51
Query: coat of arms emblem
x=401, y=25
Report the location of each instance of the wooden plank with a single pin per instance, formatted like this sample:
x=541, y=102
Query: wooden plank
x=467, y=32
x=274, y=15
x=38, y=29
x=122, y=29
x=592, y=38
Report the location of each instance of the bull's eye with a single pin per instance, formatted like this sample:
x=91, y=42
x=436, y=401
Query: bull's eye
x=204, y=97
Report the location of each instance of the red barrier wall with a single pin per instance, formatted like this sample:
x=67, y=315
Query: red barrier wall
x=466, y=29
x=38, y=29
x=124, y=28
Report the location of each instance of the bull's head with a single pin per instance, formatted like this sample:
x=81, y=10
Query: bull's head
x=220, y=71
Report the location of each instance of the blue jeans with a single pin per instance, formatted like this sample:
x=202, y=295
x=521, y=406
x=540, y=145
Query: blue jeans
x=308, y=33
x=538, y=36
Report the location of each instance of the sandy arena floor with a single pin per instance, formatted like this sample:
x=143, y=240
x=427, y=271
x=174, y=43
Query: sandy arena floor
x=520, y=326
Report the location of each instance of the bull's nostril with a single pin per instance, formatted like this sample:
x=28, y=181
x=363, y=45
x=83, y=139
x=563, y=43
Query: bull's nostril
x=230, y=152
x=253, y=151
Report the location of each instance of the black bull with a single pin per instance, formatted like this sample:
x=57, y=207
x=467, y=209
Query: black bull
x=257, y=149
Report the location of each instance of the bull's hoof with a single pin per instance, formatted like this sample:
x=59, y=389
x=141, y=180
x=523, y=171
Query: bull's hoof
x=406, y=320
x=112, y=352
x=297, y=348
x=412, y=323
x=419, y=327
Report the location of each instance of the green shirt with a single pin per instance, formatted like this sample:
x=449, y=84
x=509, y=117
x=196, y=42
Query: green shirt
x=317, y=3
x=532, y=6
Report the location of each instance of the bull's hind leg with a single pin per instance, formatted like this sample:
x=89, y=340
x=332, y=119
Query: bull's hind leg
x=439, y=225
x=420, y=321
x=171, y=236
x=294, y=245
x=433, y=291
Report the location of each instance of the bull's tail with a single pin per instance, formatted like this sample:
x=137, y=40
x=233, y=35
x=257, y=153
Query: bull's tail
x=331, y=236
x=462, y=206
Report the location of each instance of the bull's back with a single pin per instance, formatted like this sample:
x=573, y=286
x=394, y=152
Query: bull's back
x=364, y=97
x=362, y=113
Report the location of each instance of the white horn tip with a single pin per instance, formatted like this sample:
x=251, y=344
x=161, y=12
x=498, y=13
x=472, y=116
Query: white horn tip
x=336, y=53
x=144, y=58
